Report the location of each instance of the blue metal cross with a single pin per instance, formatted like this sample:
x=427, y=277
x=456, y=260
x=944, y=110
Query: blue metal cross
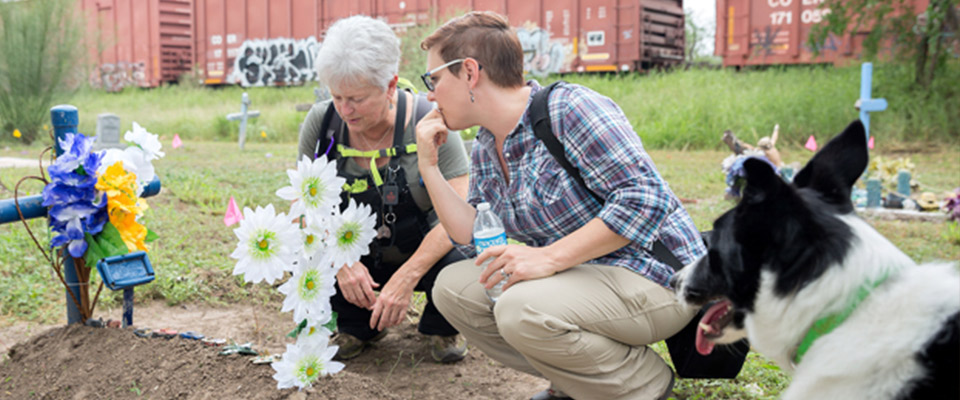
x=65, y=119
x=865, y=104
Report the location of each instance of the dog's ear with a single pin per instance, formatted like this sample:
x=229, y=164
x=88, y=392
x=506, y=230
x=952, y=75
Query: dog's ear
x=762, y=181
x=837, y=166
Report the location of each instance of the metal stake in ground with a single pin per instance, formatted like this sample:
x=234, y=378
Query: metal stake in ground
x=242, y=116
x=124, y=272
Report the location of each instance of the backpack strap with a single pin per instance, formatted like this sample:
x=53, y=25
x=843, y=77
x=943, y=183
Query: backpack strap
x=540, y=115
x=326, y=138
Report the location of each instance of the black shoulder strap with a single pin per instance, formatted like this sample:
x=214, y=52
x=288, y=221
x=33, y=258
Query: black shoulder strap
x=326, y=137
x=540, y=116
x=399, y=127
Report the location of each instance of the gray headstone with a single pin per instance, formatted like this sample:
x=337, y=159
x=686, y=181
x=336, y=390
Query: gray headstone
x=108, y=132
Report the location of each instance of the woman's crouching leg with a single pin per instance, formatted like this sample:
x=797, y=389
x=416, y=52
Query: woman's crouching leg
x=587, y=330
x=464, y=303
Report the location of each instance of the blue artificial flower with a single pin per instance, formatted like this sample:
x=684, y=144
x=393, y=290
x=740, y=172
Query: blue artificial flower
x=76, y=147
x=736, y=176
x=69, y=212
x=76, y=206
x=56, y=193
x=77, y=176
x=73, y=235
x=95, y=222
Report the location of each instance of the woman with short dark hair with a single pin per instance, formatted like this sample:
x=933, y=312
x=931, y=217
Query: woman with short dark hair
x=585, y=296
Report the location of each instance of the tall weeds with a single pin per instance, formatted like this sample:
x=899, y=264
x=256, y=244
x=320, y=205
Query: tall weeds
x=39, y=48
x=679, y=109
x=690, y=109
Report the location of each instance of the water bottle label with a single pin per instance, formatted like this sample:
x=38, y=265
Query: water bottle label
x=484, y=243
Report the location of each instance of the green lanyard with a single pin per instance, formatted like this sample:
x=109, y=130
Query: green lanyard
x=373, y=155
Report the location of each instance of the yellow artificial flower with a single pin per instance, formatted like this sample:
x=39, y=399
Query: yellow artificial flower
x=16, y=133
x=132, y=232
x=120, y=186
x=123, y=205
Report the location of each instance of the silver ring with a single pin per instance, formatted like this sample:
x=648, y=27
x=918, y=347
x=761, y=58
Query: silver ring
x=504, y=274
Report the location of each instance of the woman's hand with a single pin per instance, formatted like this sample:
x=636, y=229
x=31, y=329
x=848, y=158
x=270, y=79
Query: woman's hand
x=357, y=285
x=520, y=263
x=391, y=305
x=431, y=134
x=523, y=263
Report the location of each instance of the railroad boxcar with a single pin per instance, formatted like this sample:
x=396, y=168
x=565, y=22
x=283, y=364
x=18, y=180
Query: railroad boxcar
x=138, y=42
x=774, y=32
x=273, y=42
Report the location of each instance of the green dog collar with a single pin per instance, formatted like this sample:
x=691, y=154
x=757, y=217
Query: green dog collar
x=830, y=322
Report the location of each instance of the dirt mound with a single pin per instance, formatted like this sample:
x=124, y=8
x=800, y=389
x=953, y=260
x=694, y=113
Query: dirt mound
x=81, y=362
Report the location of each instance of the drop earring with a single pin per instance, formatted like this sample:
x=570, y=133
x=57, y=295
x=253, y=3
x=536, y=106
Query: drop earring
x=471, y=96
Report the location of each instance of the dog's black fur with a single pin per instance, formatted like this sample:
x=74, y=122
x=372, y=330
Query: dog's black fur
x=789, y=254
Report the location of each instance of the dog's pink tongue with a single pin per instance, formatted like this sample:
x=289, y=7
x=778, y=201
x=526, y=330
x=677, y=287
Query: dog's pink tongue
x=704, y=345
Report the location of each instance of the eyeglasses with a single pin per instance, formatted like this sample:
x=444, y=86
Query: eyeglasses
x=427, y=76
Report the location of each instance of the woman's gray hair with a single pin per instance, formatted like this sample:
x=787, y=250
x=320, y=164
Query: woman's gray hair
x=358, y=50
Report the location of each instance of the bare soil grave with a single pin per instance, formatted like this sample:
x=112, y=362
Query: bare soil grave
x=81, y=362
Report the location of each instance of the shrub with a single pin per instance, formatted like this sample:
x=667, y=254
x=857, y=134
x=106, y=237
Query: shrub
x=39, y=41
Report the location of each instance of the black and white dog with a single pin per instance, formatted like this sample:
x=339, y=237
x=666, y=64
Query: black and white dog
x=818, y=290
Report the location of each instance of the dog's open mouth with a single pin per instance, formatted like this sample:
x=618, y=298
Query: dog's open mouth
x=711, y=325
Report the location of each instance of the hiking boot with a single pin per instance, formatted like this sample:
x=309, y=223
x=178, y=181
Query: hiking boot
x=447, y=349
x=351, y=346
x=551, y=393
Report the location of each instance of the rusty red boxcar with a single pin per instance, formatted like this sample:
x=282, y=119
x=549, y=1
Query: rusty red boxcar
x=273, y=42
x=138, y=42
x=768, y=32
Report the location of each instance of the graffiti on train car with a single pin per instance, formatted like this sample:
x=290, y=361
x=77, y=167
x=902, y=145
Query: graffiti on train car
x=540, y=56
x=831, y=43
x=767, y=41
x=113, y=77
x=266, y=62
x=774, y=38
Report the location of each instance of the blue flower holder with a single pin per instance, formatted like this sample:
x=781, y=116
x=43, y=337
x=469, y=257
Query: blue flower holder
x=125, y=272
x=903, y=183
x=874, y=187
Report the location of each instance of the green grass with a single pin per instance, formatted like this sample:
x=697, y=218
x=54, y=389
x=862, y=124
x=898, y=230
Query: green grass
x=674, y=113
x=679, y=109
x=690, y=109
x=192, y=262
x=199, y=113
x=192, y=255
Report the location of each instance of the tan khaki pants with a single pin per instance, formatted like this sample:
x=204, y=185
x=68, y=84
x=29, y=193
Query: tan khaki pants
x=585, y=329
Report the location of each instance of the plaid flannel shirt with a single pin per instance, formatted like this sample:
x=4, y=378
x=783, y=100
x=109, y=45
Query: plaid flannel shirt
x=543, y=203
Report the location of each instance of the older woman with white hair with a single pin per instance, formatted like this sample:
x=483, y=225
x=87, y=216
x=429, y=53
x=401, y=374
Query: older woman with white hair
x=368, y=127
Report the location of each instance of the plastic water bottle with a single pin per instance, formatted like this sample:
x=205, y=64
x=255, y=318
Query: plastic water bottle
x=488, y=232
